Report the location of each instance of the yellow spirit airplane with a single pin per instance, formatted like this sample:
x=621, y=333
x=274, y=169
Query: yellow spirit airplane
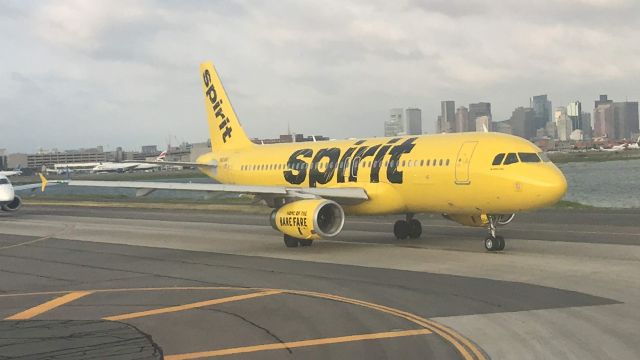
x=476, y=179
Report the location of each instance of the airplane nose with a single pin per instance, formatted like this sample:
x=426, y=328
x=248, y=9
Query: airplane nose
x=555, y=186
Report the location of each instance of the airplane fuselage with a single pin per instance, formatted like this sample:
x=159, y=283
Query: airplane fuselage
x=444, y=173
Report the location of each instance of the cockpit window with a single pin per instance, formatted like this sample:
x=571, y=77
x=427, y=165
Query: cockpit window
x=498, y=159
x=511, y=159
x=529, y=157
x=4, y=181
x=544, y=156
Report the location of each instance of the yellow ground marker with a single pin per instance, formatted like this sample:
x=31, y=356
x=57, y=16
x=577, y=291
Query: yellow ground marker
x=190, y=306
x=297, y=344
x=49, y=305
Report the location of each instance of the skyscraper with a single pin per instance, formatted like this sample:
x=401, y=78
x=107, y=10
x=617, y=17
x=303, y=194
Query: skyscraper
x=475, y=111
x=625, y=119
x=462, y=120
x=395, y=125
x=604, y=99
x=563, y=123
x=447, y=116
x=603, y=125
x=542, y=108
x=574, y=112
x=413, y=118
x=523, y=122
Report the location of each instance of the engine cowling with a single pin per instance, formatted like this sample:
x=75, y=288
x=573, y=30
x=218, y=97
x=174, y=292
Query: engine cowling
x=309, y=219
x=14, y=205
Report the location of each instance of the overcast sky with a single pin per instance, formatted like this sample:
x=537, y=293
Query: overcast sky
x=125, y=73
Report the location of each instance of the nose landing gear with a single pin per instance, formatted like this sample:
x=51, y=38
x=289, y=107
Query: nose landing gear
x=410, y=227
x=493, y=242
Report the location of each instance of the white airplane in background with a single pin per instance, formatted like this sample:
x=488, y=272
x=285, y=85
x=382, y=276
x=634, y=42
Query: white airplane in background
x=128, y=166
x=13, y=172
x=9, y=201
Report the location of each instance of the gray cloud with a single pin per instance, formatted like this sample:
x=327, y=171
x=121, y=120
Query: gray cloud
x=125, y=73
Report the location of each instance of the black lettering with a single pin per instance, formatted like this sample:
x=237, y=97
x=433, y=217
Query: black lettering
x=342, y=166
x=299, y=165
x=323, y=177
x=212, y=95
x=226, y=134
x=207, y=78
x=353, y=172
x=393, y=175
x=378, y=159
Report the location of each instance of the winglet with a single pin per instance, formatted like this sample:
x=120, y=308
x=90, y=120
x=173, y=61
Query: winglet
x=44, y=181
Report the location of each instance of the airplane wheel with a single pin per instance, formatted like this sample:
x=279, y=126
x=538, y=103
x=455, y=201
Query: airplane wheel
x=494, y=243
x=415, y=229
x=290, y=241
x=401, y=229
x=305, y=242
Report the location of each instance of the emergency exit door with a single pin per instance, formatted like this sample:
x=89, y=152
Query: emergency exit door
x=463, y=162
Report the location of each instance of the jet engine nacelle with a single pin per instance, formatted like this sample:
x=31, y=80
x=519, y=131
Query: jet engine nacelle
x=309, y=219
x=14, y=205
x=479, y=220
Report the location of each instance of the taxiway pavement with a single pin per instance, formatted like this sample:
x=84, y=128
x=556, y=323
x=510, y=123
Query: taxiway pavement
x=210, y=284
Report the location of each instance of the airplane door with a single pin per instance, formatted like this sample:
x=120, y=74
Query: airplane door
x=463, y=161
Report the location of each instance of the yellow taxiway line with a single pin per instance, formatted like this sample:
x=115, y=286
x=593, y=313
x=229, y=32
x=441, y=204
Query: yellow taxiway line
x=297, y=344
x=49, y=305
x=190, y=306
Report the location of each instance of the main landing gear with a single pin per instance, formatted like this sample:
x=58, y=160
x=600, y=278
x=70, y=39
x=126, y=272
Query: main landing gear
x=494, y=242
x=410, y=227
x=290, y=241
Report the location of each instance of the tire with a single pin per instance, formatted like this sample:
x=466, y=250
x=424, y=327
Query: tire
x=401, y=229
x=501, y=243
x=490, y=243
x=305, y=242
x=290, y=241
x=415, y=229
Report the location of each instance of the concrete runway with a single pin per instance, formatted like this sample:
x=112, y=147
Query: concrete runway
x=203, y=284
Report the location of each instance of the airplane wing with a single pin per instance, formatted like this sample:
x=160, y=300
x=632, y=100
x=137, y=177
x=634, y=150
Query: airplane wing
x=42, y=185
x=340, y=195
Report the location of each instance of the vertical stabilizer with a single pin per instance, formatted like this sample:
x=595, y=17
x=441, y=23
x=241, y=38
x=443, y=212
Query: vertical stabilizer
x=226, y=131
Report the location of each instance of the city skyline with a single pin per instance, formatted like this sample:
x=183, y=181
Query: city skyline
x=127, y=73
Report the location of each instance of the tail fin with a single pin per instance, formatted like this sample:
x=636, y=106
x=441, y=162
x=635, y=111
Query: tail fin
x=162, y=156
x=226, y=131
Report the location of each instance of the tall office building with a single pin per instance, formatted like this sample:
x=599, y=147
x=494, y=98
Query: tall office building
x=523, y=122
x=625, y=119
x=543, y=111
x=587, y=125
x=395, y=125
x=475, y=111
x=413, y=118
x=574, y=112
x=602, y=100
x=563, y=123
x=447, y=116
x=603, y=125
x=462, y=120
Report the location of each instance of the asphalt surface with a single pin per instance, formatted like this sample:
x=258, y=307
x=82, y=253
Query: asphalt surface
x=196, y=284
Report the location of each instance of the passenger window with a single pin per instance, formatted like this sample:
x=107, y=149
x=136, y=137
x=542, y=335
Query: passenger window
x=4, y=181
x=529, y=157
x=511, y=159
x=421, y=162
x=428, y=162
x=498, y=159
x=440, y=162
x=447, y=162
